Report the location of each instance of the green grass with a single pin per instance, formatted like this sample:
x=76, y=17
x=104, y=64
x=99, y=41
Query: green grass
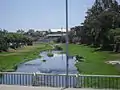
x=94, y=60
x=9, y=60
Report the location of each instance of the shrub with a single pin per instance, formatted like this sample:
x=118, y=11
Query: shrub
x=43, y=60
x=57, y=47
x=50, y=54
x=79, y=58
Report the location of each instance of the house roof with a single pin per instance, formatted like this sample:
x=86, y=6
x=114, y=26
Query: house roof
x=62, y=30
x=55, y=35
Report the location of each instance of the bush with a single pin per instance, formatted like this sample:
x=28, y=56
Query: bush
x=3, y=45
x=50, y=54
x=79, y=58
x=15, y=67
x=58, y=47
x=43, y=60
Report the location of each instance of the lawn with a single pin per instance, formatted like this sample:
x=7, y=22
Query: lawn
x=94, y=60
x=9, y=60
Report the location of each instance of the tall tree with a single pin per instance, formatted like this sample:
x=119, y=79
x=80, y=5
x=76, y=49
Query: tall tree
x=101, y=18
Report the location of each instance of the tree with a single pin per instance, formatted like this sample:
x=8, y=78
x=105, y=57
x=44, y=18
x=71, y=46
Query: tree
x=13, y=40
x=20, y=31
x=101, y=18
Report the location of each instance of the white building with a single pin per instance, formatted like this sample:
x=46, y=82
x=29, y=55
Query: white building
x=56, y=30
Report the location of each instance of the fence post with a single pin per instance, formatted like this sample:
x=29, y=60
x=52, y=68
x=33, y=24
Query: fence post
x=77, y=81
x=34, y=79
x=1, y=78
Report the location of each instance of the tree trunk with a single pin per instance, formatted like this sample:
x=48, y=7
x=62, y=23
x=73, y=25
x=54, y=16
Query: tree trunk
x=117, y=47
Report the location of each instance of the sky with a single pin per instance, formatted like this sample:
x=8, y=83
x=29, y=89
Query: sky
x=41, y=14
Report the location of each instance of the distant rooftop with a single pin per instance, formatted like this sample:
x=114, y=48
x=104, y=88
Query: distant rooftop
x=55, y=30
x=55, y=35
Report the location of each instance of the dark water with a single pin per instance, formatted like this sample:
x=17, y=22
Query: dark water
x=53, y=65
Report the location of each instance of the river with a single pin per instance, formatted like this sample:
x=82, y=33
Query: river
x=52, y=66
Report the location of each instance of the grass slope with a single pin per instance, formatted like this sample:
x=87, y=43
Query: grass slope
x=94, y=60
x=8, y=60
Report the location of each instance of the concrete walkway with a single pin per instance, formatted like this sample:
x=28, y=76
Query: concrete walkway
x=14, y=87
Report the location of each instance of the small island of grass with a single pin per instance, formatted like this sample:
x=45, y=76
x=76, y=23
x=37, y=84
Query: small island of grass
x=57, y=47
x=50, y=54
x=43, y=60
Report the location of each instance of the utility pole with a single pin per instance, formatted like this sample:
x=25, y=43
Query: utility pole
x=67, y=56
x=62, y=35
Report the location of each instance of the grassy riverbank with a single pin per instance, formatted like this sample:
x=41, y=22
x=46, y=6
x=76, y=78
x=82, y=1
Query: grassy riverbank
x=9, y=60
x=94, y=60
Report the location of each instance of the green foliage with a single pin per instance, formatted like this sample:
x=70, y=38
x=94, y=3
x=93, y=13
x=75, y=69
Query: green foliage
x=50, y=54
x=38, y=56
x=79, y=58
x=100, y=27
x=58, y=47
x=13, y=40
x=115, y=32
x=35, y=35
x=60, y=40
x=43, y=60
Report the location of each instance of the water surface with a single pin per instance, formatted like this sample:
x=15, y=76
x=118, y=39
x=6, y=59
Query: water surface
x=54, y=65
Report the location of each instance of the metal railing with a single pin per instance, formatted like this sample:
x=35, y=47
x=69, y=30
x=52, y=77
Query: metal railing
x=58, y=80
x=54, y=80
x=13, y=78
x=99, y=81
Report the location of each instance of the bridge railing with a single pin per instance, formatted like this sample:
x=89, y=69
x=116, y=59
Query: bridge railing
x=58, y=80
x=99, y=81
x=16, y=78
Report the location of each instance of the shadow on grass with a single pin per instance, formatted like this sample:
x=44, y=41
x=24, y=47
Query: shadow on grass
x=98, y=48
x=112, y=52
x=101, y=49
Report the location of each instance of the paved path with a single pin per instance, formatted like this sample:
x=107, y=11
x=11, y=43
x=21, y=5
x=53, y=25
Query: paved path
x=13, y=87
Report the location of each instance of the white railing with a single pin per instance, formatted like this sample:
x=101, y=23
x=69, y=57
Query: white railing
x=58, y=80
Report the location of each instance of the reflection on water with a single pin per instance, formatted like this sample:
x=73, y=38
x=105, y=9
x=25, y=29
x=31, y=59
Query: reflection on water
x=55, y=64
